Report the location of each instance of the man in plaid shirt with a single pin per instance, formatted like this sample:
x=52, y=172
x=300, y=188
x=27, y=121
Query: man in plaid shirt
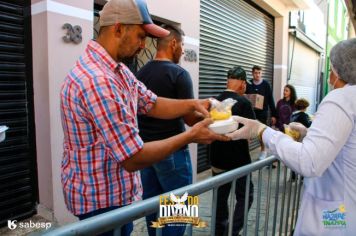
x=100, y=100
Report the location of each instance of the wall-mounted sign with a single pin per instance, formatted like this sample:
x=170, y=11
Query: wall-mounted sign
x=190, y=55
x=74, y=33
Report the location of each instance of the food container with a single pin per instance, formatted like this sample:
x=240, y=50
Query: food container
x=3, y=129
x=294, y=134
x=224, y=126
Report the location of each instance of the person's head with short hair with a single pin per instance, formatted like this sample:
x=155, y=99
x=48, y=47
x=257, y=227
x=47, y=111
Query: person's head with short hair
x=255, y=67
x=124, y=25
x=171, y=46
x=301, y=104
x=343, y=63
x=236, y=80
x=289, y=94
x=257, y=73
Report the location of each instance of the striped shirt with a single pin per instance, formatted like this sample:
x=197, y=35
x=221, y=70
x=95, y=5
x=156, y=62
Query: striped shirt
x=100, y=99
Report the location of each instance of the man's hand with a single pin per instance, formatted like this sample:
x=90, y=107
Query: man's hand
x=273, y=120
x=202, y=106
x=201, y=111
x=156, y=151
x=296, y=126
x=251, y=128
x=200, y=133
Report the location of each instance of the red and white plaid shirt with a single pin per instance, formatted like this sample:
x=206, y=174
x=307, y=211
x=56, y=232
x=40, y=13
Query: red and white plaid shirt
x=100, y=99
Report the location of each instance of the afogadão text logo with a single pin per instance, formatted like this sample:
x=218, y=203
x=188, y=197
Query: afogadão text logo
x=175, y=210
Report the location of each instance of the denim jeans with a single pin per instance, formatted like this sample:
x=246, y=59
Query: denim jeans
x=172, y=173
x=222, y=212
x=125, y=230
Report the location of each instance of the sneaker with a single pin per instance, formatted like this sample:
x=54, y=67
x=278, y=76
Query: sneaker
x=263, y=155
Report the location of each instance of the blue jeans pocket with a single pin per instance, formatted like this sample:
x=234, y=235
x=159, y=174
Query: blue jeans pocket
x=178, y=161
x=166, y=165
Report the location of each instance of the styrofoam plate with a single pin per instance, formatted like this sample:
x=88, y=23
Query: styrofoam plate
x=224, y=126
x=3, y=129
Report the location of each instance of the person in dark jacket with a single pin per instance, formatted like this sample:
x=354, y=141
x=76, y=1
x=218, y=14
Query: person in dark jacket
x=299, y=115
x=231, y=155
x=263, y=88
x=285, y=106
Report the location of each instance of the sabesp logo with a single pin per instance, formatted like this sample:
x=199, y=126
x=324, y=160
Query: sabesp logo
x=11, y=224
x=28, y=225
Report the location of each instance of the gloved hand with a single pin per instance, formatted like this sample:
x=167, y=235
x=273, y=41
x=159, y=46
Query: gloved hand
x=296, y=126
x=251, y=129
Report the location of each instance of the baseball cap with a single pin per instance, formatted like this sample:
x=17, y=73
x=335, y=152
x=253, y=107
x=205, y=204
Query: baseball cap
x=236, y=72
x=130, y=12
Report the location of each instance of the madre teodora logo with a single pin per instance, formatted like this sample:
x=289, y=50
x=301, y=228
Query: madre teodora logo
x=335, y=218
x=175, y=210
x=12, y=224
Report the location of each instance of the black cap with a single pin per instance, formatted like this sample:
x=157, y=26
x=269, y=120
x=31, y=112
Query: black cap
x=236, y=72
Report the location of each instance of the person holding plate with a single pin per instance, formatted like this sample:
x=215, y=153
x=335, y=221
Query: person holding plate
x=226, y=156
x=326, y=157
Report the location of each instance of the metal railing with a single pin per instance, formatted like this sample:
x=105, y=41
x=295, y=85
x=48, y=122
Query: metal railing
x=276, y=217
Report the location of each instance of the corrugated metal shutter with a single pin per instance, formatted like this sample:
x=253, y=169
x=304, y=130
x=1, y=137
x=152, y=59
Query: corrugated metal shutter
x=18, y=181
x=305, y=73
x=231, y=33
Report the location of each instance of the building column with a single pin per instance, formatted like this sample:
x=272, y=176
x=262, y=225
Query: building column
x=280, y=56
x=52, y=59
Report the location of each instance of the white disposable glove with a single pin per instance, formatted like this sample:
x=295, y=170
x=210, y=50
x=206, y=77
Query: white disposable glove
x=251, y=128
x=296, y=126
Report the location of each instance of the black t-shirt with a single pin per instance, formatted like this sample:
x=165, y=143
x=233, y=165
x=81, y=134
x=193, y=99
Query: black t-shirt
x=169, y=80
x=232, y=154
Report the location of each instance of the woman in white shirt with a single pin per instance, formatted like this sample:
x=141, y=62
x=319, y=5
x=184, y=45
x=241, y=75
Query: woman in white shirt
x=327, y=154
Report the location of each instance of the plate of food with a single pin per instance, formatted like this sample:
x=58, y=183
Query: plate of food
x=294, y=134
x=221, y=114
x=224, y=126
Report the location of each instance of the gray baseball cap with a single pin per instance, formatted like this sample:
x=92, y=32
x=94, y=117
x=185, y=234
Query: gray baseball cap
x=130, y=12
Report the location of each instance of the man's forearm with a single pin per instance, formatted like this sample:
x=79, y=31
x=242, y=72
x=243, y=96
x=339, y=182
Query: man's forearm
x=156, y=151
x=166, y=108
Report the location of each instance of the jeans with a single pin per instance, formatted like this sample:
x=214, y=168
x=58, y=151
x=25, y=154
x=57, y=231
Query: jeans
x=222, y=212
x=172, y=173
x=125, y=229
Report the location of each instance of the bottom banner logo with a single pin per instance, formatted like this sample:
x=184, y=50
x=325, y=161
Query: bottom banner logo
x=178, y=210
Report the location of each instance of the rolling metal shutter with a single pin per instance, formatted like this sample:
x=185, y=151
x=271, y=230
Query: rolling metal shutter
x=232, y=32
x=305, y=73
x=18, y=178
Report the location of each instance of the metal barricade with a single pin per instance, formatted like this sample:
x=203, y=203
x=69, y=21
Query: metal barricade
x=274, y=210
